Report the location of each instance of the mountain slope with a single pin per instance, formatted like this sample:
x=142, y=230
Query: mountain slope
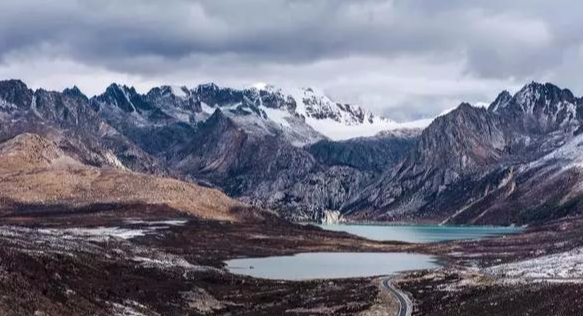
x=471, y=164
x=373, y=154
x=36, y=174
x=67, y=119
x=251, y=143
x=255, y=144
x=270, y=171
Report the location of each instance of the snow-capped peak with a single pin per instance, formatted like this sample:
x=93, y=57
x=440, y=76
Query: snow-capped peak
x=340, y=121
x=179, y=91
x=307, y=111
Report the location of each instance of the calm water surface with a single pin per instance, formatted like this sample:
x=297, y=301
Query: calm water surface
x=327, y=265
x=324, y=265
x=421, y=233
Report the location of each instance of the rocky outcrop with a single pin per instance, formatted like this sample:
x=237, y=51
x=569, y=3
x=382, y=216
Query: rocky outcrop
x=266, y=171
x=330, y=217
x=372, y=154
x=67, y=119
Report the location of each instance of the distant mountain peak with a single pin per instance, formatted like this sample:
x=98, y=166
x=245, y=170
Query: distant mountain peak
x=176, y=91
x=17, y=83
x=539, y=107
x=535, y=90
x=501, y=101
x=114, y=86
x=15, y=92
x=123, y=97
x=207, y=86
x=74, y=92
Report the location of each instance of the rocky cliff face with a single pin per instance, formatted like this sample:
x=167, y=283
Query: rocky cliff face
x=372, y=154
x=269, y=171
x=479, y=159
x=68, y=119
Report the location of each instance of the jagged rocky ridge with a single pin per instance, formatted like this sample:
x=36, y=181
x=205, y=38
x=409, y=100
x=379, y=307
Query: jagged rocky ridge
x=515, y=162
x=67, y=118
x=254, y=144
x=506, y=164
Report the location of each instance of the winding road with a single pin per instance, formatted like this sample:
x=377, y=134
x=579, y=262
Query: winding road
x=405, y=305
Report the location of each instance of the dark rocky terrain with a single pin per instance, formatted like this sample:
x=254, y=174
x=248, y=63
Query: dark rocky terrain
x=450, y=293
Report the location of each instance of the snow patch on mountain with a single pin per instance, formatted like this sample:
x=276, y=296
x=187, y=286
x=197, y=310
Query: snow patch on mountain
x=278, y=116
x=570, y=154
x=338, y=131
x=207, y=109
x=181, y=92
x=336, y=121
x=5, y=105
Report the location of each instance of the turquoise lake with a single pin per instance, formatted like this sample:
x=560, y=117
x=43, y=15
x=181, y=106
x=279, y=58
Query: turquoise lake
x=421, y=233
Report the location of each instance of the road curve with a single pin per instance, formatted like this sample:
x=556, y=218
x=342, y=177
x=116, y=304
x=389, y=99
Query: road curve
x=405, y=305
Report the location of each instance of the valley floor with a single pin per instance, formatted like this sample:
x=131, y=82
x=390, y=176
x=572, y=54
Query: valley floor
x=107, y=261
x=152, y=260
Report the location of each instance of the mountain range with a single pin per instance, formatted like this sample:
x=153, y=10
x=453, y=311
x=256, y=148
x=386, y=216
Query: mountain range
x=301, y=154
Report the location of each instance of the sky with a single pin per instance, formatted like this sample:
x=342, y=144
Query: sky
x=403, y=59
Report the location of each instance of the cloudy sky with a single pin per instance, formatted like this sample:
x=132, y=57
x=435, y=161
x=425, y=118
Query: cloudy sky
x=405, y=59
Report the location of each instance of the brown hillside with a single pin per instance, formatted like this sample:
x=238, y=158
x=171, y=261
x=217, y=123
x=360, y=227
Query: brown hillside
x=33, y=170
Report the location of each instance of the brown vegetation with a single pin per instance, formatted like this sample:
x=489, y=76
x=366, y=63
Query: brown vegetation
x=34, y=171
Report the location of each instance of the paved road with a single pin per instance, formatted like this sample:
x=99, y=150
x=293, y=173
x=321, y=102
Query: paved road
x=405, y=306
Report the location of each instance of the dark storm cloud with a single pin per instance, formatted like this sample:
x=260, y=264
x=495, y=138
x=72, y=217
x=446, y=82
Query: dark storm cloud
x=280, y=31
x=293, y=31
x=493, y=40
